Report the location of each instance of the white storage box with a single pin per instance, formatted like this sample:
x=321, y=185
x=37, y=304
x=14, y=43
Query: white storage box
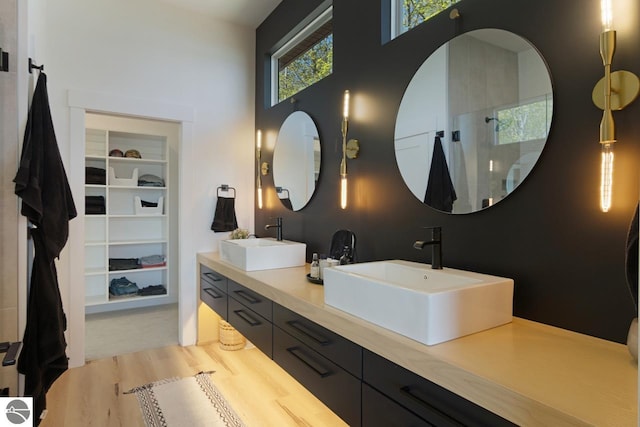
x=125, y=182
x=154, y=210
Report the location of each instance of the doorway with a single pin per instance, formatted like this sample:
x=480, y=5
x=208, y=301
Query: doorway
x=130, y=234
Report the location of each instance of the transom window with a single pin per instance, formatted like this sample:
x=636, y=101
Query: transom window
x=406, y=14
x=303, y=60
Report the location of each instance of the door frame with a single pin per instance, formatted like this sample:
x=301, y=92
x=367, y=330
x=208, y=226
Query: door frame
x=81, y=102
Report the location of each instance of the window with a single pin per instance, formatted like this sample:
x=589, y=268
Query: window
x=406, y=14
x=305, y=59
x=527, y=121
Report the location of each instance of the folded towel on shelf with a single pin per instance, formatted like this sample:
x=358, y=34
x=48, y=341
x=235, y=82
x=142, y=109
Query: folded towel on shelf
x=124, y=264
x=153, y=261
x=224, y=218
x=152, y=290
x=94, y=205
x=95, y=175
x=149, y=180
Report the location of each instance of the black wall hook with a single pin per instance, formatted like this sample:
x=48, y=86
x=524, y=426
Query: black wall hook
x=32, y=66
x=4, y=60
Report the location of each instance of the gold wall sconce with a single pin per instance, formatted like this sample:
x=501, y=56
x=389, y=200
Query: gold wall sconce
x=263, y=168
x=350, y=149
x=613, y=92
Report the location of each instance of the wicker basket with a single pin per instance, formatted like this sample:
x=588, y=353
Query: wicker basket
x=230, y=338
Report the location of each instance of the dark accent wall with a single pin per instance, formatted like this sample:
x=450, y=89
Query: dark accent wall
x=567, y=258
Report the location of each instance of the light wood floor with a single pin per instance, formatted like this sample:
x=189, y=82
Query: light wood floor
x=258, y=389
x=127, y=331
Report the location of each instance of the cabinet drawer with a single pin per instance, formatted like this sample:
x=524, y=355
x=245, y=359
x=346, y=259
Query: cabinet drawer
x=214, y=298
x=254, y=327
x=212, y=278
x=251, y=299
x=435, y=404
x=380, y=411
x=334, y=386
x=339, y=350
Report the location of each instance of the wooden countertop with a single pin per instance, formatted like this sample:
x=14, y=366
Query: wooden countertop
x=529, y=373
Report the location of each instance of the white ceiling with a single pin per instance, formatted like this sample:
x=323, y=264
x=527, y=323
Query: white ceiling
x=244, y=12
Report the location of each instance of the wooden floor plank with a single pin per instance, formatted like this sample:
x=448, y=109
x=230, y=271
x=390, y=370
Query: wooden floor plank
x=258, y=389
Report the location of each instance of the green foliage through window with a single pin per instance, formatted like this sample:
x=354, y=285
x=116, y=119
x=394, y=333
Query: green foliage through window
x=414, y=12
x=524, y=122
x=306, y=69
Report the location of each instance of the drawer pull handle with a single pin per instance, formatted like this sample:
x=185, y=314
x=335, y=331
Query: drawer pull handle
x=307, y=360
x=247, y=297
x=213, y=277
x=213, y=294
x=417, y=396
x=309, y=332
x=247, y=317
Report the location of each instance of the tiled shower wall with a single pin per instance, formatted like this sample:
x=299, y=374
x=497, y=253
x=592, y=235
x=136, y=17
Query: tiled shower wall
x=8, y=201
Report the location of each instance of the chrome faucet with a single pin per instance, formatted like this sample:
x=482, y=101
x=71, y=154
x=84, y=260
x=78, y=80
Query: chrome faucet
x=436, y=247
x=278, y=226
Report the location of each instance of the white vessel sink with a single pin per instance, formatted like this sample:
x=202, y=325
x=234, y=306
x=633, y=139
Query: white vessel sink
x=262, y=253
x=429, y=306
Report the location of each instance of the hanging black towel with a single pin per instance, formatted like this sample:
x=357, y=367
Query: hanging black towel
x=440, y=193
x=47, y=202
x=224, y=218
x=287, y=203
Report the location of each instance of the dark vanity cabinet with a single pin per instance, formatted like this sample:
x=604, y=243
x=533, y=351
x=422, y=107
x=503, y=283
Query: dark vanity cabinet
x=327, y=364
x=361, y=387
x=395, y=396
x=213, y=290
x=251, y=314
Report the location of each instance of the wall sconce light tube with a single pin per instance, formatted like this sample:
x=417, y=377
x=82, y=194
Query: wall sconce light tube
x=606, y=177
x=258, y=169
x=343, y=163
x=614, y=91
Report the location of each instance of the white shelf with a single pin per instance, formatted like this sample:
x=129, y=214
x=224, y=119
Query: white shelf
x=121, y=233
x=135, y=187
x=136, y=242
x=136, y=270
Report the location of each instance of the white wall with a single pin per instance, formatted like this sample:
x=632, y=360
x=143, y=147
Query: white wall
x=150, y=51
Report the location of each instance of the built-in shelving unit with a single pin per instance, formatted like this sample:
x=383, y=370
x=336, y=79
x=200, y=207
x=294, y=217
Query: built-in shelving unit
x=135, y=222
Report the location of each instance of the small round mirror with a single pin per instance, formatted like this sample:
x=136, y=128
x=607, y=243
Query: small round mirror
x=473, y=121
x=296, y=160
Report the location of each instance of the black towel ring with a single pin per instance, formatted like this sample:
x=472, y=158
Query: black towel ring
x=281, y=190
x=224, y=188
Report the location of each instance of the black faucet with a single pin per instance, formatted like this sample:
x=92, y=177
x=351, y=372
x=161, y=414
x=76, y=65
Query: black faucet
x=278, y=226
x=436, y=247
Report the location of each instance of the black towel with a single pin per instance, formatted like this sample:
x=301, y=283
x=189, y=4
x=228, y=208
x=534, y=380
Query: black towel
x=224, y=218
x=47, y=202
x=440, y=193
x=95, y=175
x=287, y=203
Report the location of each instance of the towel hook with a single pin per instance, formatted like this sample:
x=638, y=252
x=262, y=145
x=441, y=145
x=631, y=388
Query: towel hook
x=4, y=60
x=32, y=66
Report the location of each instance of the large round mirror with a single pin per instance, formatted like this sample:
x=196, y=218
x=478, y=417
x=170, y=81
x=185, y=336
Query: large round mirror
x=296, y=160
x=473, y=121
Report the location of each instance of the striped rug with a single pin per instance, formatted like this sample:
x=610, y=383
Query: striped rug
x=192, y=401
